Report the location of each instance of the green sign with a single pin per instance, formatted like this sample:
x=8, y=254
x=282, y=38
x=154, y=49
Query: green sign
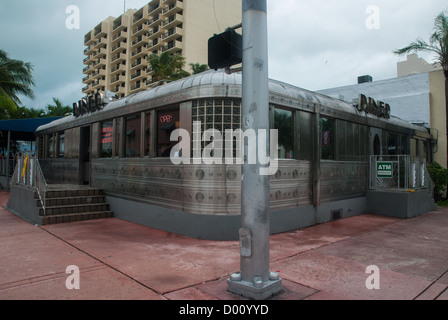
x=384, y=169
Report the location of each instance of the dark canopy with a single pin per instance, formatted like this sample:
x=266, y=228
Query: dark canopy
x=23, y=129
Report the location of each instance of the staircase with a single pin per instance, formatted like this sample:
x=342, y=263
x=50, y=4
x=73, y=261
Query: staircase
x=66, y=203
x=40, y=203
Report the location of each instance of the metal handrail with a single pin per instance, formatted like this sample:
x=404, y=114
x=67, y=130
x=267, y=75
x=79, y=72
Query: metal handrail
x=407, y=173
x=41, y=186
x=29, y=173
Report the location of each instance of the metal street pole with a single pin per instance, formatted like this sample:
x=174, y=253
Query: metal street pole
x=255, y=281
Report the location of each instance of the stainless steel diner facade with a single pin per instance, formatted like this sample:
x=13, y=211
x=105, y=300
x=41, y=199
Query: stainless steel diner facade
x=324, y=150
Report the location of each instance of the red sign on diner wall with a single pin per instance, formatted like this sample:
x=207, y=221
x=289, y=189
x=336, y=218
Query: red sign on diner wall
x=107, y=135
x=166, y=118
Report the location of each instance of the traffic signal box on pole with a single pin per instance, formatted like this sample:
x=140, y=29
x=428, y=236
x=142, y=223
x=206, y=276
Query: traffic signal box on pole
x=225, y=50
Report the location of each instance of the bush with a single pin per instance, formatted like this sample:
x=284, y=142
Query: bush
x=440, y=177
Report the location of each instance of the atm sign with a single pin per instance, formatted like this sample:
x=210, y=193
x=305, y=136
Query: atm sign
x=384, y=169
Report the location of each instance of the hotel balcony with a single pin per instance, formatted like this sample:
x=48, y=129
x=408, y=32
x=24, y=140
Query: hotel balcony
x=138, y=63
x=98, y=74
x=135, y=87
x=173, y=7
x=154, y=33
x=139, y=41
x=117, y=78
x=137, y=31
x=154, y=22
x=120, y=36
x=100, y=31
x=119, y=47
x=86, y=69
x=98, y=83
x=119, y=90
x=118, y=69
x=141, y=16
x=101, y=43
x=120, y=23
x=173, y=21
x=87, y=60
x=154, y=45
x=154, y=9
x=118, y=58
x=99, y=63
x=172, y=46
x=89, y=50
x=172, y=34
x=140, y=52
x=88, y=39
x=102, y=52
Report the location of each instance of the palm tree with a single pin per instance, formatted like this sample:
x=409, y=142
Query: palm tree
x=27, y=113
x=167, y=67
x=438, y=45
x=15, y=79
x=58, y=109
x=198, y=68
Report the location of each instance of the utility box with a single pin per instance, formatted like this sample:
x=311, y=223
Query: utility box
x=225, y=50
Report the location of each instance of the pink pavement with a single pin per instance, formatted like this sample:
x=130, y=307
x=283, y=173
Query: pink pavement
x=119, y=260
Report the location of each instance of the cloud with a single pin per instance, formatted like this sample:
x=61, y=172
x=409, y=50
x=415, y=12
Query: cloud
x=313, y=44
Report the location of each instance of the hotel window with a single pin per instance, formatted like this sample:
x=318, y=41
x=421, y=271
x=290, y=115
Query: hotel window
x=327, y=134
x=284, y=123
x=133, y=135
x=107, y=139
x=167, y=122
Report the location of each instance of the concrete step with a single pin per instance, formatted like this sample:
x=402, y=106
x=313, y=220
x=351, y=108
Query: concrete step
x=76, y=208
x=67, y=201
x=73, y=217
x=72, y=193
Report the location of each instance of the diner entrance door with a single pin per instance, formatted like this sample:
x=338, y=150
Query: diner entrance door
x=376, y=143
x=84, y=156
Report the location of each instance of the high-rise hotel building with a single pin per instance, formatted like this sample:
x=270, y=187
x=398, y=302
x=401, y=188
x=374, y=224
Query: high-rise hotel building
x=117, y=49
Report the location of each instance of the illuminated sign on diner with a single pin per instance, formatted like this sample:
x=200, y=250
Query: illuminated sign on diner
x=372, y=106
x=107, y=135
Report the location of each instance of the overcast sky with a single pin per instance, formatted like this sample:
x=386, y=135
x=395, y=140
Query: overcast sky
x=315, y=45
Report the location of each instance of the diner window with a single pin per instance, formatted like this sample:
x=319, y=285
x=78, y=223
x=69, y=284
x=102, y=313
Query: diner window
x=148, y=134
x=61, y=145
x=327, y=133
x=167, y=122
x=284, y=123
x=40, y=147
x=305, y=138
x=222, y=115
x=133, y=135
x=50, y=146
x=107, y=139
x=392, y=144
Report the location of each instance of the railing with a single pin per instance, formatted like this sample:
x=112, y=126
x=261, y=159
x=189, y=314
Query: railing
x=399, y=172
x=28, y=172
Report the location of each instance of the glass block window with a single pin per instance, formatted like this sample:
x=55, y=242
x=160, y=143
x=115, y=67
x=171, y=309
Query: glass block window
x=218, y=114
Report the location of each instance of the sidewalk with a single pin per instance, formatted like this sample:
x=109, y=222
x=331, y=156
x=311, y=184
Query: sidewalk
x=119, y=260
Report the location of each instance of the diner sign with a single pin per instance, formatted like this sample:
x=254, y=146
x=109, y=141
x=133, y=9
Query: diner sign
x=372, y=106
